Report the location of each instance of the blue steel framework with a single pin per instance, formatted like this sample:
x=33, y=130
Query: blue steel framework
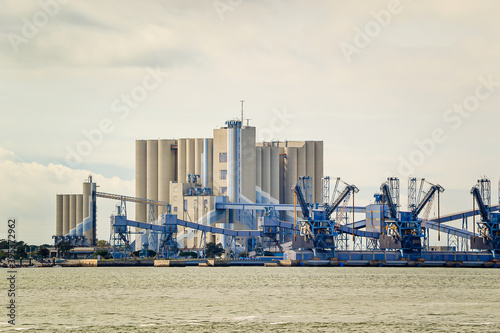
x=489, y=226
x=404, y=230
x=323, y=231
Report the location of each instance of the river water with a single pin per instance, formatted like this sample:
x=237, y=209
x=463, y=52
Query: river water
x=256, y=299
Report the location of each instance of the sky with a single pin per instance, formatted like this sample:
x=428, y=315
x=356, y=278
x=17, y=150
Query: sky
x=393, y=88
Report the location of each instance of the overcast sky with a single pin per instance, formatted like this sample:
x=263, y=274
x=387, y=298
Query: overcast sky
x=391, y=88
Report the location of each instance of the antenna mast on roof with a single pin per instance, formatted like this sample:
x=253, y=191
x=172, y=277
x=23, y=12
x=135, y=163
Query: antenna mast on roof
x=242, y=101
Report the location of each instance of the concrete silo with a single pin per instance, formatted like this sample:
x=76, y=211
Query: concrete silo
x=181, y=161
x=318, y=169
x=166, y=171
x=79, y=214
x=140, y=179
x=66, y=217
x=152, y=172
x=72, y=214
x=290, y=173
x=190, y=157
x=59, y=214
x=198, y=152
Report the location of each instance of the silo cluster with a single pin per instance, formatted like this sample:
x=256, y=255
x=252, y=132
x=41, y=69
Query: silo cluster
x=75, y=213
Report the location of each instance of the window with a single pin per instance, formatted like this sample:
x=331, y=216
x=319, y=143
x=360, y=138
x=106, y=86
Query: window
x=175, y=198
x=175, y=209
x=185, y=205
x=223, y=190
x=222, y=157
x=223, y=174
x=175, y=189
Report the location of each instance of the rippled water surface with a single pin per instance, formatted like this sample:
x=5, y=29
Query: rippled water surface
x=257, y=299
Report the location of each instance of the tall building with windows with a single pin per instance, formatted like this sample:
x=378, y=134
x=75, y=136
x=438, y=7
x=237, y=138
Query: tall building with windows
x=193, y=174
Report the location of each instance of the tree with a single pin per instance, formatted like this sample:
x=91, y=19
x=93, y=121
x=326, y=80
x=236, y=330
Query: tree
x=213, y=250
x=20, y=251
x=4, y=244
x=43, y=252
x=102, y=243
x=102, y=253
x=63, y=248
x=190, y=254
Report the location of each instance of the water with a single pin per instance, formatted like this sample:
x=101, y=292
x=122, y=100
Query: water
x=258, y=299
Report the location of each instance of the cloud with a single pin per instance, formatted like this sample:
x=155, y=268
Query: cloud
x=29, y=191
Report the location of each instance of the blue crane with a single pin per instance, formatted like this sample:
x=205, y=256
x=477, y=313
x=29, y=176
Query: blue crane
x=405, y=230
x=489, y=227
x=319, y=231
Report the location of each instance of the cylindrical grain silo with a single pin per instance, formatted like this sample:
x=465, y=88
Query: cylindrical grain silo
x=318, y=167
x=310, y=163
x=190, y=156
x=181, y=161
x=282, y=174
x=65, y=214
x=198, y=150
x=258, y=177
x=204, y=164
x=140, y=179
x=266, y=173
x=275, y=174
x=290, y=173
x=166, y=171
x=152, y=172
x=79, y=212
x=72, y=214
x=59, y=215
x=140, y=185
x=301, y=161
x=208, y=150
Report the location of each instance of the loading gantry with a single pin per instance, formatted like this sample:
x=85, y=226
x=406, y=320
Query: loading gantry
x=489, y=226
x=318, y=231
x=405, y=230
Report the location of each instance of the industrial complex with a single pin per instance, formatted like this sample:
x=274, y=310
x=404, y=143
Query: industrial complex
x=250, y=195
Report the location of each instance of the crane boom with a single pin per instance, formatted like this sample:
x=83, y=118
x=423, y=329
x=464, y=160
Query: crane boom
x=392, y=206
x=427, y=199
x=485, y=215
x=345, y=193
x=302, y=201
